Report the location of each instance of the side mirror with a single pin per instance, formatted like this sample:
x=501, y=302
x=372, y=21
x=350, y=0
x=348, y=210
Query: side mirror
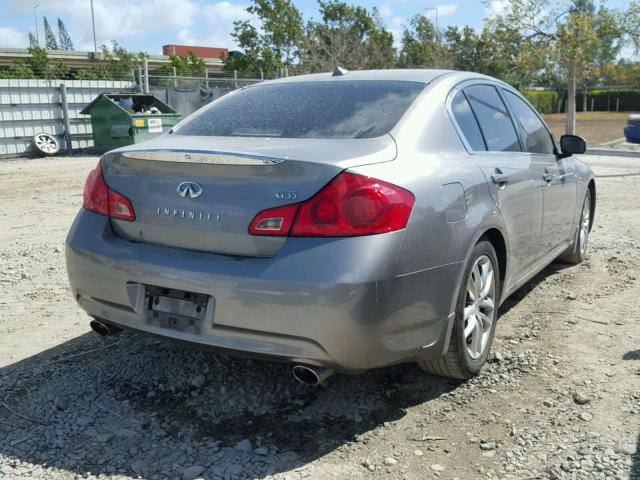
x=572, y=144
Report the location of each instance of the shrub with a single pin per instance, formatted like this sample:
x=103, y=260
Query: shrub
x=544, y=101
x=605, y=100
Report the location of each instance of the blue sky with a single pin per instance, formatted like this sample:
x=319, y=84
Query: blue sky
x=148, y=24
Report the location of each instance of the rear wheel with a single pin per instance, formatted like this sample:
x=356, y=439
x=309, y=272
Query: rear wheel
x=475, y=317
x=578, y=251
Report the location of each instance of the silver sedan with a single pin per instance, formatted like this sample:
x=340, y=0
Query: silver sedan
x=340, y=222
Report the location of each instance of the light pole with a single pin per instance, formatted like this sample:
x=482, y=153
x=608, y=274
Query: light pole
x=436, y=10
x=35, y=21
x=93, y=24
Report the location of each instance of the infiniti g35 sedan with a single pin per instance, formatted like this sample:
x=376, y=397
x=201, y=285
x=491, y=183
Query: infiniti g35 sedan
x=340, y=222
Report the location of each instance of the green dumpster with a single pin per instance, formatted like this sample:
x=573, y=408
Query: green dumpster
x=120, y=119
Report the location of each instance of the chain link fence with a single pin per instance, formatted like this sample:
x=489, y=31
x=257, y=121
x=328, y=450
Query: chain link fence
x=188, y=94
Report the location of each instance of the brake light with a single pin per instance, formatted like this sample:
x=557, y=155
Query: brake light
x=350, y=205
x=99, y=198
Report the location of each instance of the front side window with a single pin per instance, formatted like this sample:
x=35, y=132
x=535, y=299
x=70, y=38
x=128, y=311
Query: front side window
x=493, y=117
x=467, y=122
x=325, y=109
x=537, y=138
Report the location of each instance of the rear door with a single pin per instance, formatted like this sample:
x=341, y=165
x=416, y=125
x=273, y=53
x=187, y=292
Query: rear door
x=558, y=175
x=512, y=177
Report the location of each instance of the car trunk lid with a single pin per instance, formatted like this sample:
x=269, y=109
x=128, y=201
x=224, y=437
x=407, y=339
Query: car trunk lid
x=224, y=182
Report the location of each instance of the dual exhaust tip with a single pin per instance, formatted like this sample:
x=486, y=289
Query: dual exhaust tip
x=305, y=374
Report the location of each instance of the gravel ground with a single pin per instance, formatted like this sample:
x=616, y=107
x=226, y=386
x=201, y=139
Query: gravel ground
x=560, y=397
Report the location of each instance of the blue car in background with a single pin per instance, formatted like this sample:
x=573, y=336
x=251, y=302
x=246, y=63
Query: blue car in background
x=632, y=130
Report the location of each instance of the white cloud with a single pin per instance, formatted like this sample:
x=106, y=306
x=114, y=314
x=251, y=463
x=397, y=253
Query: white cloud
x=218, y=24
x=497, y=7
x=117, y=19
x=444, y=10
x=13, y=38
x=385, y=10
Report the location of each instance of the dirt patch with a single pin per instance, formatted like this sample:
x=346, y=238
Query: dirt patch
x=559, y=398
x=595, y=127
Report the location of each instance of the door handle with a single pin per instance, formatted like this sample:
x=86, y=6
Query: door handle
x=500, y=178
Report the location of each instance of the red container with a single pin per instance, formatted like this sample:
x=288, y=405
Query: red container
x=202, y=52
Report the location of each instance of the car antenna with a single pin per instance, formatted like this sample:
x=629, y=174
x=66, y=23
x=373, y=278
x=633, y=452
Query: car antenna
x=339, y=71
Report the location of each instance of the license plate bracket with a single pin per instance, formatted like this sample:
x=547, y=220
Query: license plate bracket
x=178, y=309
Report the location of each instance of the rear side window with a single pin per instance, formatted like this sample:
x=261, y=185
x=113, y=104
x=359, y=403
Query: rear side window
x=326, y=109
x=467, y=122
x=537, y=137
x=493, y=117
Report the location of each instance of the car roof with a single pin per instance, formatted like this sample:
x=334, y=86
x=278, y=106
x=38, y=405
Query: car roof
x=407, y=75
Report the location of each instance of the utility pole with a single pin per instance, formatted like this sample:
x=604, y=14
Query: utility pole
x=93, y=24
x=437, y=34
x=35, y=20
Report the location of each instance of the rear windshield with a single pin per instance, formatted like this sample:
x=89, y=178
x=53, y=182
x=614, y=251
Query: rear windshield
x=341, y=109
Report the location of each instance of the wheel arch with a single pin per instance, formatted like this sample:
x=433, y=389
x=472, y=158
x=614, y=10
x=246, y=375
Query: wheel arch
x=592, y=189
x=497, y=240
x=495, y=235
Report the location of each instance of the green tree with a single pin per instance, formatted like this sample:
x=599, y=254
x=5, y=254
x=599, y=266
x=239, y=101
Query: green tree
x=187, y=66
x=33, y=42
x=18, y=69
x=275, y=45
x=419, y=43
x=573, y=35
x=348, y=36
x=465, y=48
x=35, y=66
x=63, y=36
x=49, y=37
x=38, y=62
x=118, y=64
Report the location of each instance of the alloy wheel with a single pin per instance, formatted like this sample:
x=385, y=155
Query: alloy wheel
x=46, y=143
x=585, y=223
x=479, y=310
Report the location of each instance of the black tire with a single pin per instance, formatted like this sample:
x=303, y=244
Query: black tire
x=458, y=362
x=577, y=252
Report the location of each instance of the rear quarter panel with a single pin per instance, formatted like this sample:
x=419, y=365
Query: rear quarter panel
x=453, y=205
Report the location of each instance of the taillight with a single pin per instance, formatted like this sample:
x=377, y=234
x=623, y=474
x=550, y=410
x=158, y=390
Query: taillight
x=349, y=205
x=99, y=198
x=274, y=222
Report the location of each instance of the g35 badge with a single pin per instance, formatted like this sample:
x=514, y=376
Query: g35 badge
x=286, y=194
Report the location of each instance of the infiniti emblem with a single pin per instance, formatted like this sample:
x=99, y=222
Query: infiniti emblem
x=189, y=189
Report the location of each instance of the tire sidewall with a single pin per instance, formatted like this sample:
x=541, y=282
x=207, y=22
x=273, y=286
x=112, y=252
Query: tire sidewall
x=469, y=365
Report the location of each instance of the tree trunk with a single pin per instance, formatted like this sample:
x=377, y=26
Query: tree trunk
x=571, y=105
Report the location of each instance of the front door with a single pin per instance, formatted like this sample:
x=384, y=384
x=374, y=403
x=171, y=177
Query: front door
x=559, y=201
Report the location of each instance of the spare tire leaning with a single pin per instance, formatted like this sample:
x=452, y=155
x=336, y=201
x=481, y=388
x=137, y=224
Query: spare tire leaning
x=46, y=144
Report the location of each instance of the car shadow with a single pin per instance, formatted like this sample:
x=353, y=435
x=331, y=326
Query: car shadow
x=632, y=355
x=134, y=405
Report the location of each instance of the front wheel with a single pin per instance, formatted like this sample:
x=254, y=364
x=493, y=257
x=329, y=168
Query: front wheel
x=475, y=317
x=578, y=251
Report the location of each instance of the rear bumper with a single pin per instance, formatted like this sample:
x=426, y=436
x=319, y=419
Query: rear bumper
x=329, y=302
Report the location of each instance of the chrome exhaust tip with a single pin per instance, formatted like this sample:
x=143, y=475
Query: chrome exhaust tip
x=309, y=375
x=103, y=329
